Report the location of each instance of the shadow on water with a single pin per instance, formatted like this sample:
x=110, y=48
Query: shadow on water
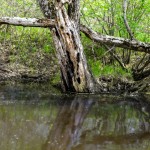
x=31, y=119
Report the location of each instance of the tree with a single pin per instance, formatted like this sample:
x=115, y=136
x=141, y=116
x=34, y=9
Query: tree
x=73, y=65
x=63, y=19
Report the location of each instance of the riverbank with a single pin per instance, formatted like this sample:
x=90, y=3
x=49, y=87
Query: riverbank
x=110, y=85
x=47, y=70
x=37, y=67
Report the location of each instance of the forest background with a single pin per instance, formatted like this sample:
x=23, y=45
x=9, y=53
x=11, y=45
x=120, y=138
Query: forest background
x=29, y=53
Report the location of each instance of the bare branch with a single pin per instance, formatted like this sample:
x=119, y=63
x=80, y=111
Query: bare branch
x=27, y=22
x=117, y=41
x=116, y=57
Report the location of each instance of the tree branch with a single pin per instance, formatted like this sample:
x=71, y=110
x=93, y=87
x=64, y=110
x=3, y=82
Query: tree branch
x=27, y=22
x=117, y=41
x=95, y=36
x=116, y=57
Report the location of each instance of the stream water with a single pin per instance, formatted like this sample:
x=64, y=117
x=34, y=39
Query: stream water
x=36, y=118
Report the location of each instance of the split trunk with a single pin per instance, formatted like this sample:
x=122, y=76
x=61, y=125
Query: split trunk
x=75, y=74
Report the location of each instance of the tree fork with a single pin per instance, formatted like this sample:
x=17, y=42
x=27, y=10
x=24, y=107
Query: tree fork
x=74, y=69
x=75, y=72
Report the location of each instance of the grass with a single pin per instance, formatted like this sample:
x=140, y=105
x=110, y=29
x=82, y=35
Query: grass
x=56, y=79
x=99, y=69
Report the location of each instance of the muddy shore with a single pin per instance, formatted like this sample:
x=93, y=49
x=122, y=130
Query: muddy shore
x=16, y=72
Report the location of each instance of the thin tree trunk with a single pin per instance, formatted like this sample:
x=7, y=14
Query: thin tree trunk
x=125, y=20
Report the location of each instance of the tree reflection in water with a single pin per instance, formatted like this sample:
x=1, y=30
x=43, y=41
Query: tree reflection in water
x=95, y=123
x=66, y=129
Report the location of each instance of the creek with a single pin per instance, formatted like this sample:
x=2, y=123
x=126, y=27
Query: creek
x=37, y=117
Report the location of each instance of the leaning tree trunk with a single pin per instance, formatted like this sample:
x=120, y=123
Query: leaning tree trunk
x=75, y=73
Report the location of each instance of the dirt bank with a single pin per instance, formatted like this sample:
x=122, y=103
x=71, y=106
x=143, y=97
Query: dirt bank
x=45, y=68
x=39, y=67
x=123, y=85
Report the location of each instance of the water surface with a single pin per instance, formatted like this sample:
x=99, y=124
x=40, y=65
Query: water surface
x=36, y=118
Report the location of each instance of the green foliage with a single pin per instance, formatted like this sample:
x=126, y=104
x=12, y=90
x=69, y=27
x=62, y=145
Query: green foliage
x=106, y=16
x=95, y=67
x=99, y=69
x=56, y=79
x=29, y=46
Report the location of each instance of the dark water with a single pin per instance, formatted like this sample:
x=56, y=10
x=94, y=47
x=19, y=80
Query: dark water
x=35, y=118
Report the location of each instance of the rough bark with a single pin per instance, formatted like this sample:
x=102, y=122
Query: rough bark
x=27, y=22
x=47, y=8
x=74, y=69
x=75, y=74
x=95, y=36
x=74, y=13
